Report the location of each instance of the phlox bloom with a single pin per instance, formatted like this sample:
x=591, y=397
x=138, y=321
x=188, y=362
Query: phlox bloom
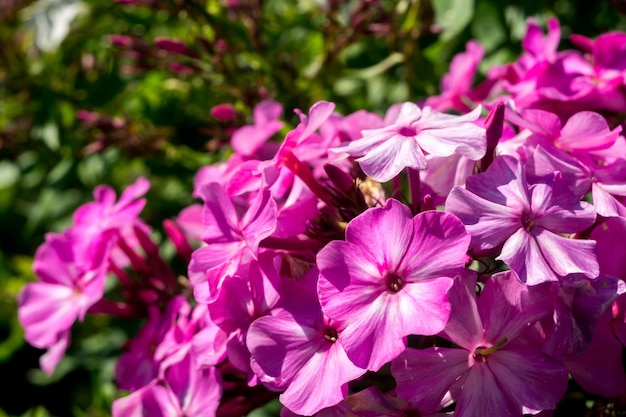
x=232, y=239
x=69, y=286
x=186, y=389
x=138, y=365
x=499, y=207
x=499, y=369
x=248, y=139
x=389, y=279
x=383, y=153
x=456, y=85
x=302, y=353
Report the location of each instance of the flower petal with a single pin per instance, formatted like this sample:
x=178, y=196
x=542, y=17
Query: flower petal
x=397, y=152
x=424, y=376
x=326, y=374
x=489, y=223
x=439, y=247
x=280, y=346
x=481, y=395
x=387, y=249
x=349, y=282
x=568, y=256
x=522, y=254
x=529, y=377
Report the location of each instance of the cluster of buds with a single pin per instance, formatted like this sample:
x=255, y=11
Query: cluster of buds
x=105, y=131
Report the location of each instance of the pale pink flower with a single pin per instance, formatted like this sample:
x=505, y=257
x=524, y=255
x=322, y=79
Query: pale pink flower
x=383, y=153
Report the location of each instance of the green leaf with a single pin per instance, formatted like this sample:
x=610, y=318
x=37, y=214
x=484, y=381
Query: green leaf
x=515, y=17
x=60, y=171
x=91, y=170
x=487, y=27
x=271, y=409
x=379, y=68
x=38, y=377
x=37, y=412
x=347, y=86
x=9, y=174
x=49, y=134
x=15, y=340
x=452, y=16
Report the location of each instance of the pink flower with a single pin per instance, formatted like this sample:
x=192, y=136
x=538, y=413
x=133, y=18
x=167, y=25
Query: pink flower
x=105, y=215
x=499, y=369
x=184, y=390
x=372, y=403
x=139, y=365
x=499, y=207
x=457, y=83
x=224, y=112
x=383, y=153
x=172, y=45
x=389, y=279
x=578, y=303
x=605, y=179
x=583, y=132
x=600, y=370
x=69, y=285
x=302, y=353
x=231, y=239
x=243, y=299
x=248, y=139
x=539, y=48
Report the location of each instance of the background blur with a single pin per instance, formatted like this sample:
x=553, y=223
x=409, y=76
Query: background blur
x=98, y=91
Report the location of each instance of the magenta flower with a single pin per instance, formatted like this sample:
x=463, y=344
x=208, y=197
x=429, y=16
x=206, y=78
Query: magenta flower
x=372, y=403
x=224, y=112
x=583, y=132
x=605, y=179
x=185, y=389
x=193, y=330
x=231, y=239
x=389, y=279
x=457, y=83
x=248, y=139
x=115, y=218
x=499, y=369
x=540, y=48
x=191, y=390
x=600, y=369
x=498, y=207
x=302, y=353
x=105, y=213
x=173, y=45
x=578, y=303
x=383, y=153
x=72, y=267
x=605, y=79
x=243, y=299
x=138, y=365
x=70, y=284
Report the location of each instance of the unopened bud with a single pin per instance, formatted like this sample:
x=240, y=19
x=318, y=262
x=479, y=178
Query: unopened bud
x=172, y=45
x=121, y=41
x=341, y=180
x=224, y=112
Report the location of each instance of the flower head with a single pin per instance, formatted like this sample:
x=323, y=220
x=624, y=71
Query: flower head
x=389, y=279
x=383, y=153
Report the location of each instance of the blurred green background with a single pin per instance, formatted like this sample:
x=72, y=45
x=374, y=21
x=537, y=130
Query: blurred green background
x=87, y=97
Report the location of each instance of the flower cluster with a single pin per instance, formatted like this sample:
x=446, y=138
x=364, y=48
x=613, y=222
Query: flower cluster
x=424, y=263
